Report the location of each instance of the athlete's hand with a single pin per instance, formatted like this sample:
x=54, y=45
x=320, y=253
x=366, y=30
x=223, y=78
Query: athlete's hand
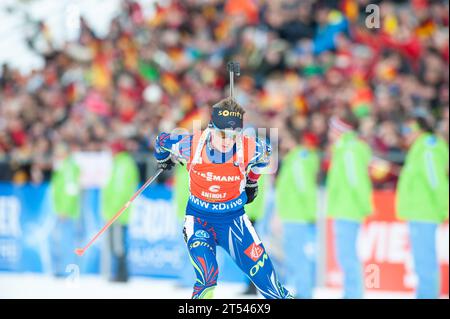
x=163, y=144
x=166, y=164
x=164, y=153
x=251, y=190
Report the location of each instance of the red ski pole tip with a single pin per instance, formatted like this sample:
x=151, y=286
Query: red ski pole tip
x=79, y=251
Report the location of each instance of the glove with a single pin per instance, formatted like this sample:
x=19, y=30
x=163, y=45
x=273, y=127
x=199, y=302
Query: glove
x=163, y=143
x=163, y=157
x=251, y=190
x=166, y=164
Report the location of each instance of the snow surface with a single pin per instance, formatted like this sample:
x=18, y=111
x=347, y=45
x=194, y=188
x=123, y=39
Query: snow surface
x=30, y=286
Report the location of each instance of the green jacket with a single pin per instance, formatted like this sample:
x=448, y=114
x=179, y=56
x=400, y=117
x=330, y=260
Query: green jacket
x=296, y=186
x=422, y=192
x=349, y=189
x=120, y=187
x=65, y=189
x=181, y=190
x=255, y=210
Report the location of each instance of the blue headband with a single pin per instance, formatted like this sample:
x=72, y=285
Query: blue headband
x=225, y=119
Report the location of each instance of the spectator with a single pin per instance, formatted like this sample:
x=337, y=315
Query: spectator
x=66, y=191
x=299, y=60
x=119, y=189
x=422, y=199
x=349, y=202
x=296, y=204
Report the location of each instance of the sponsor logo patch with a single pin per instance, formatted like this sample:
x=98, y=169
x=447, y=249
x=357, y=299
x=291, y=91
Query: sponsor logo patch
x=201, y=233
x=254, y=252
x=211, y=177
x=198, y=243
x=260, y=264
x=214, y=188
x=227, y=113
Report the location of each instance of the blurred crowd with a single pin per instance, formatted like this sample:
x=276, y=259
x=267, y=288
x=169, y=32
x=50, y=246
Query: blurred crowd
x=301, y=61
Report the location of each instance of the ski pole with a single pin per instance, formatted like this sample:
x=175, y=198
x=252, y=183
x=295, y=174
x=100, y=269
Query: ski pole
x=81, y=251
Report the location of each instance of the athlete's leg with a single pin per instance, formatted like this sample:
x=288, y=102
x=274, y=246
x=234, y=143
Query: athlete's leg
x=240, y=240
x=187, y=273
x=201, y=243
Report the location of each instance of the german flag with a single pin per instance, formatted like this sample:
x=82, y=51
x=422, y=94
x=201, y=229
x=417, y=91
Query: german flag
x=350, y=9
